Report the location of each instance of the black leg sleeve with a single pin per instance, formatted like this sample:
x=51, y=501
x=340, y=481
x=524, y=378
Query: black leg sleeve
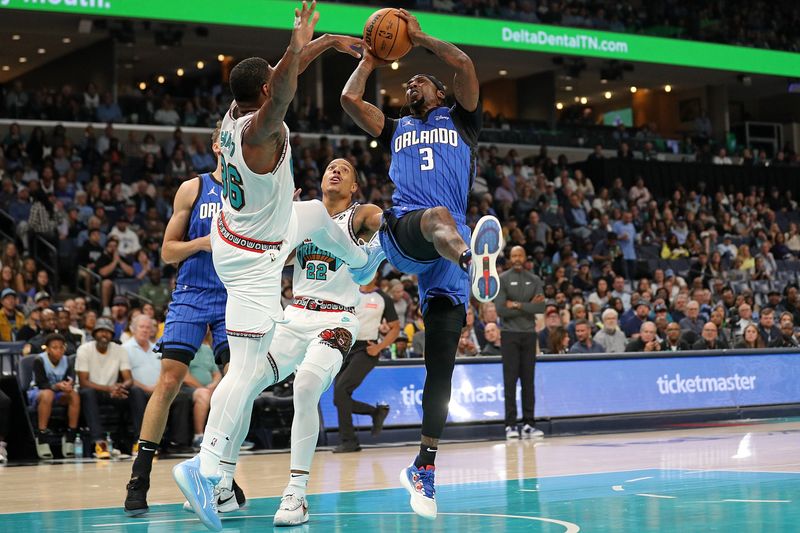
x=445, y=320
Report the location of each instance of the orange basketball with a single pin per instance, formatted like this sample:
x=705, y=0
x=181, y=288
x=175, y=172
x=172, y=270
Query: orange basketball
x=386, y=34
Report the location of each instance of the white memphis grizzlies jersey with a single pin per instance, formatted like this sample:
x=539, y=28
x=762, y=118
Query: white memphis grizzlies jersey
x=254, y=206
x=320, y=275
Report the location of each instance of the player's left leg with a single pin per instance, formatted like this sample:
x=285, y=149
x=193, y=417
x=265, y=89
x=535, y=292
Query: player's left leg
x=315, y=374
x=445, y=315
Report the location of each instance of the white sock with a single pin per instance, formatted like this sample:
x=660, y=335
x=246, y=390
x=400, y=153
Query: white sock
x=198, y=435
x=297, y=485
x=226, y=470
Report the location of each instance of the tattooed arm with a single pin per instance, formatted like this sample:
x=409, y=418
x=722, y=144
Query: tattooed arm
x=465, y=83
x=368, y=117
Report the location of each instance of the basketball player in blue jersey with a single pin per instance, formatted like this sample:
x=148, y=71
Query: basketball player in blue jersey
x=425, y=232
x=198, y=303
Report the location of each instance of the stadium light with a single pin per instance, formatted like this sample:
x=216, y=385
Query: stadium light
x=23, y=59
x=577, y=99
x=221, y=57
x=200, y=65
x=161, y=79
x=633, y=88
x=373, y=144
x=395, y=65
x=568, y=88
x=607, y=94
x=41, y=51
x=142, y=86
x=667, y=88
x=559, y=106
x=584, y=100
x=383, y=91
x=502, y=72
x=180, y=72
x=16, y=37
x=6, y=68
x=66, y=40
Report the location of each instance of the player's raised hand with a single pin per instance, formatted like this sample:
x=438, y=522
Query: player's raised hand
x=305, y=19
x=347, y=45
x=413, y=28
x=372, y=60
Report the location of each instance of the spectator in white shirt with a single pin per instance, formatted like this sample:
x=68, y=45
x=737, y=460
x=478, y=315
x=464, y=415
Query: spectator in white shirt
x=128, y=240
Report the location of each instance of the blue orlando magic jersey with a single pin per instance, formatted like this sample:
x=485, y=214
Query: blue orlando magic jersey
x=432, y=159
x=198, y=269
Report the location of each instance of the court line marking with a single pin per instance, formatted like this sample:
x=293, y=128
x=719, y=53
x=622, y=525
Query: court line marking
x=569, y=527
x=759, y=501
x=617, y=488
x=358, y=490
x=529, y=490
x=658, y=496
x=638, y=479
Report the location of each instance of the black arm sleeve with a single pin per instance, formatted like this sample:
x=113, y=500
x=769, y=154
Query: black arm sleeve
x=39, y=375
x=389, y=125
x=468, y=123
x=389, y=312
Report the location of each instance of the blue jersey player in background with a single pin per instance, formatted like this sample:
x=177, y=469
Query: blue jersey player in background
x=198, y=303
x=425, y=232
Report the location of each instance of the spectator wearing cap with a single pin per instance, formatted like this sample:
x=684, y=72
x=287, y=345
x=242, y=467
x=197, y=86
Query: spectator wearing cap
x=11, y=319
x=608, y=251
x=54, y=384
x=584, y=342
x=111, y=266
x=774, y=300
x=626, y=233
x=552, y=321
x=610, y=337
x=119, y=315
x=767, y=328
x=710, y=339
x=692, y=321
x=633, y=324
x=647, y=341
x=399, y=349
x=99, y=366
x=128, y=240
x=145, y=370
x=583, y=278
x=42, y=300
x=672, y=340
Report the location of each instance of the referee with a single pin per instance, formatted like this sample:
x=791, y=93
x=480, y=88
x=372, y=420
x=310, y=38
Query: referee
x=375, y=306
x=520, y=297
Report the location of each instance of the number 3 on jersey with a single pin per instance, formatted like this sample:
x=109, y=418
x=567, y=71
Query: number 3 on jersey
x=427, y=158
x=232, y=185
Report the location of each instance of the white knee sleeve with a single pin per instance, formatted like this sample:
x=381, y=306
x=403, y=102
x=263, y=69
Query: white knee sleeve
x=308, y=388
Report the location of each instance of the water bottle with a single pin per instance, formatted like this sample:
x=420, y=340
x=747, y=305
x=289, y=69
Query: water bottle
x=110, y=444
x=78, y=447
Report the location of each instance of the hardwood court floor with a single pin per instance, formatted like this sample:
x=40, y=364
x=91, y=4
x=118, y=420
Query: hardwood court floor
x=738, y=477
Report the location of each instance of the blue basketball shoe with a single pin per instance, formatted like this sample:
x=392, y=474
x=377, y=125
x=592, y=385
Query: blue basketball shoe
x=487, y=243
x=419, y=482
x=199, y=491
x=375, y=256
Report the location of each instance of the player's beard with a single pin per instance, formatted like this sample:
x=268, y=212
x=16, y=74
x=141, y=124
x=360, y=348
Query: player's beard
x=417, y=105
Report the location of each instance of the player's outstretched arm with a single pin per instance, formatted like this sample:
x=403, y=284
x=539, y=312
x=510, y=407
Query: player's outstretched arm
x=341, y=43
x=465, y=83
x=174, y=249
x=268, y=120
x=367, y=220
x=368, y=117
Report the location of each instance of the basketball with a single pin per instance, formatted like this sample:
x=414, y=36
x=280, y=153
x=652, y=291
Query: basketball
x=386, y=35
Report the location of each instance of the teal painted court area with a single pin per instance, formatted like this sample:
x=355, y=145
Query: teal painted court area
x=636, y=500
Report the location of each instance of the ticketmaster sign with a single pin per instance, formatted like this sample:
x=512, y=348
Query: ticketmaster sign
x=590, y=387
x=463, y=30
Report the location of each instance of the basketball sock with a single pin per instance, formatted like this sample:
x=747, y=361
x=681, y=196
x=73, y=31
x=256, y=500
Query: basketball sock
x=297, y=485
x=465, y=260
x=427, y=455
x=143, y=463
x=227, y=470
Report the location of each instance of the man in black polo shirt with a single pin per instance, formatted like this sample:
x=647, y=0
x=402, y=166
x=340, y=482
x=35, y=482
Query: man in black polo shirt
x=520, y=297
